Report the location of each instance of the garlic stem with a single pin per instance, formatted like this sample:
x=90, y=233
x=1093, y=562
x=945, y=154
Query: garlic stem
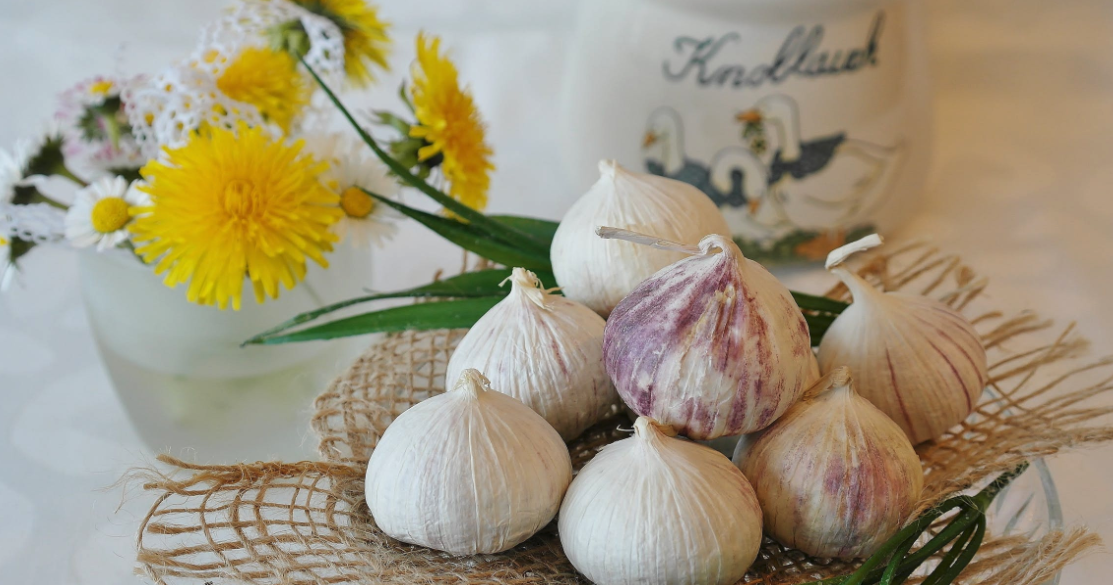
x=471, y=384
x=706, y=244
x=839, y=255
x=608, y=167
x=646, y=427
x=858, y=286
x=524, y=282
x=611, y=233
x=837, y=378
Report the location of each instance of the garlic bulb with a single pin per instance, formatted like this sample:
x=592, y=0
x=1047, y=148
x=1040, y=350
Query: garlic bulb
x=915, y=358
x=471, y=471
x=598, y=274
x=656, y=510
x=835, y=477
x=713, y=345
x=544, y=350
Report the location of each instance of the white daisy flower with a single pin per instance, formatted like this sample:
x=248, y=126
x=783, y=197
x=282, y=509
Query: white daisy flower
x=12, y=167
x=366, y=221
x=93, y=117
x=7, y=269
x=100, y=213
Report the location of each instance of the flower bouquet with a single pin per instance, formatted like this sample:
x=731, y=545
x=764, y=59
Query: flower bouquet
x=220, y=174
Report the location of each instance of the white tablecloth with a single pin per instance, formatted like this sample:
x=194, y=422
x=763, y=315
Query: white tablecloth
x=1022, y=189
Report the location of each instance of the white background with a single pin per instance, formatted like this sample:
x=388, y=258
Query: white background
x=1023, y=187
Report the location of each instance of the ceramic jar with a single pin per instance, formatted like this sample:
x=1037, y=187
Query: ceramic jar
x=808, y=122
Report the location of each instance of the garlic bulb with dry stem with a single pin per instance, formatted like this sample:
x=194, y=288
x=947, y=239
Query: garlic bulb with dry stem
x=713, y=345
x=597, y=273
x=544, y=350
x=657, y=510
x=834, y=475
x=471, y=471
x=915, y=358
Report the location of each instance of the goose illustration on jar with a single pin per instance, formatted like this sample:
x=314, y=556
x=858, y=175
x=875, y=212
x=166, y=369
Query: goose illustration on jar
x=808, y=123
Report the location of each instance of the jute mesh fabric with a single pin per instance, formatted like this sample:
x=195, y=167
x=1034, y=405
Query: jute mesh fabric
x=273, y=523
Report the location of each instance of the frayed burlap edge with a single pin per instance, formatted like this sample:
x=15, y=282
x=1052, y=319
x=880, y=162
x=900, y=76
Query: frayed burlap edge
x=305, y=523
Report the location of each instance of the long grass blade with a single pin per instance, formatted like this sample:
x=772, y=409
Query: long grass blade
x=816, y=303
x=482, y=283
x=468, y=237
x=542, y=229
x=419, y=317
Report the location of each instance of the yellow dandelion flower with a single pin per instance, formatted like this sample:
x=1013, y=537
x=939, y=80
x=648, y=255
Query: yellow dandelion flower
x=268, y=80
x=448, y=120
x=234, y=204
x=366, y=42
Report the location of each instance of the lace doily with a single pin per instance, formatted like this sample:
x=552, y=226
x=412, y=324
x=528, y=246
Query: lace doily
x=38, y=222
x=179, y=100
x=249, y=20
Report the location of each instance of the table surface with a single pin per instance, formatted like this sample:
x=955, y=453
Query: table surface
x=1021, y=188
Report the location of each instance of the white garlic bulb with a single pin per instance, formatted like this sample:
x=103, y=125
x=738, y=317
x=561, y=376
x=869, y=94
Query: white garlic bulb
x=656, y=510
x=915, y=358
x=712, y=346
x=597, y=273
x=834, y=475
x=470, y=471
x=544, y=350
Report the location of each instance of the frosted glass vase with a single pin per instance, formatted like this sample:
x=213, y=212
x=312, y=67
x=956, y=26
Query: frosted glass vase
x=181, y=374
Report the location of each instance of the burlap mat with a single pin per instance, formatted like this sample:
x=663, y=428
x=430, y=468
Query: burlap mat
x=305, y=523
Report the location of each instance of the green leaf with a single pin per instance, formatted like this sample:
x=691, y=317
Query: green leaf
x=543, y=229
x=402, y=93
x=468, y=237
x=489, y=227
x=816, y=303
x=388, y=119
x=419, y=317
x=818, y=324
x=482, y=283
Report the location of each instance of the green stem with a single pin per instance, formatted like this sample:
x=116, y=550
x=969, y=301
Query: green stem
x=968, y=526
x=517, y=237
x=913, y=530
x=38, y=197
x=889, y=577
x=948, y=560
x=960, y=555
x=112, y=127
x=62, y=170
x=990, y=491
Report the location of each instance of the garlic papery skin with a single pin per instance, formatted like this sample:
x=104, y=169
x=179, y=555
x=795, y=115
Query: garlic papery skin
x=834, y=475
x=470, y=471
x=712, y=345
x=600, y=273
x=657, y=510
x=919, y=361
x=544, y=350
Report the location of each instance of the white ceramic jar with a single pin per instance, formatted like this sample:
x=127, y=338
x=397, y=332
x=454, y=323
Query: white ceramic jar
x=807, y=121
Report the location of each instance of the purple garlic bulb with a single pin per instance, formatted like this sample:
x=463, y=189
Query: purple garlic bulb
x=712, y=345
